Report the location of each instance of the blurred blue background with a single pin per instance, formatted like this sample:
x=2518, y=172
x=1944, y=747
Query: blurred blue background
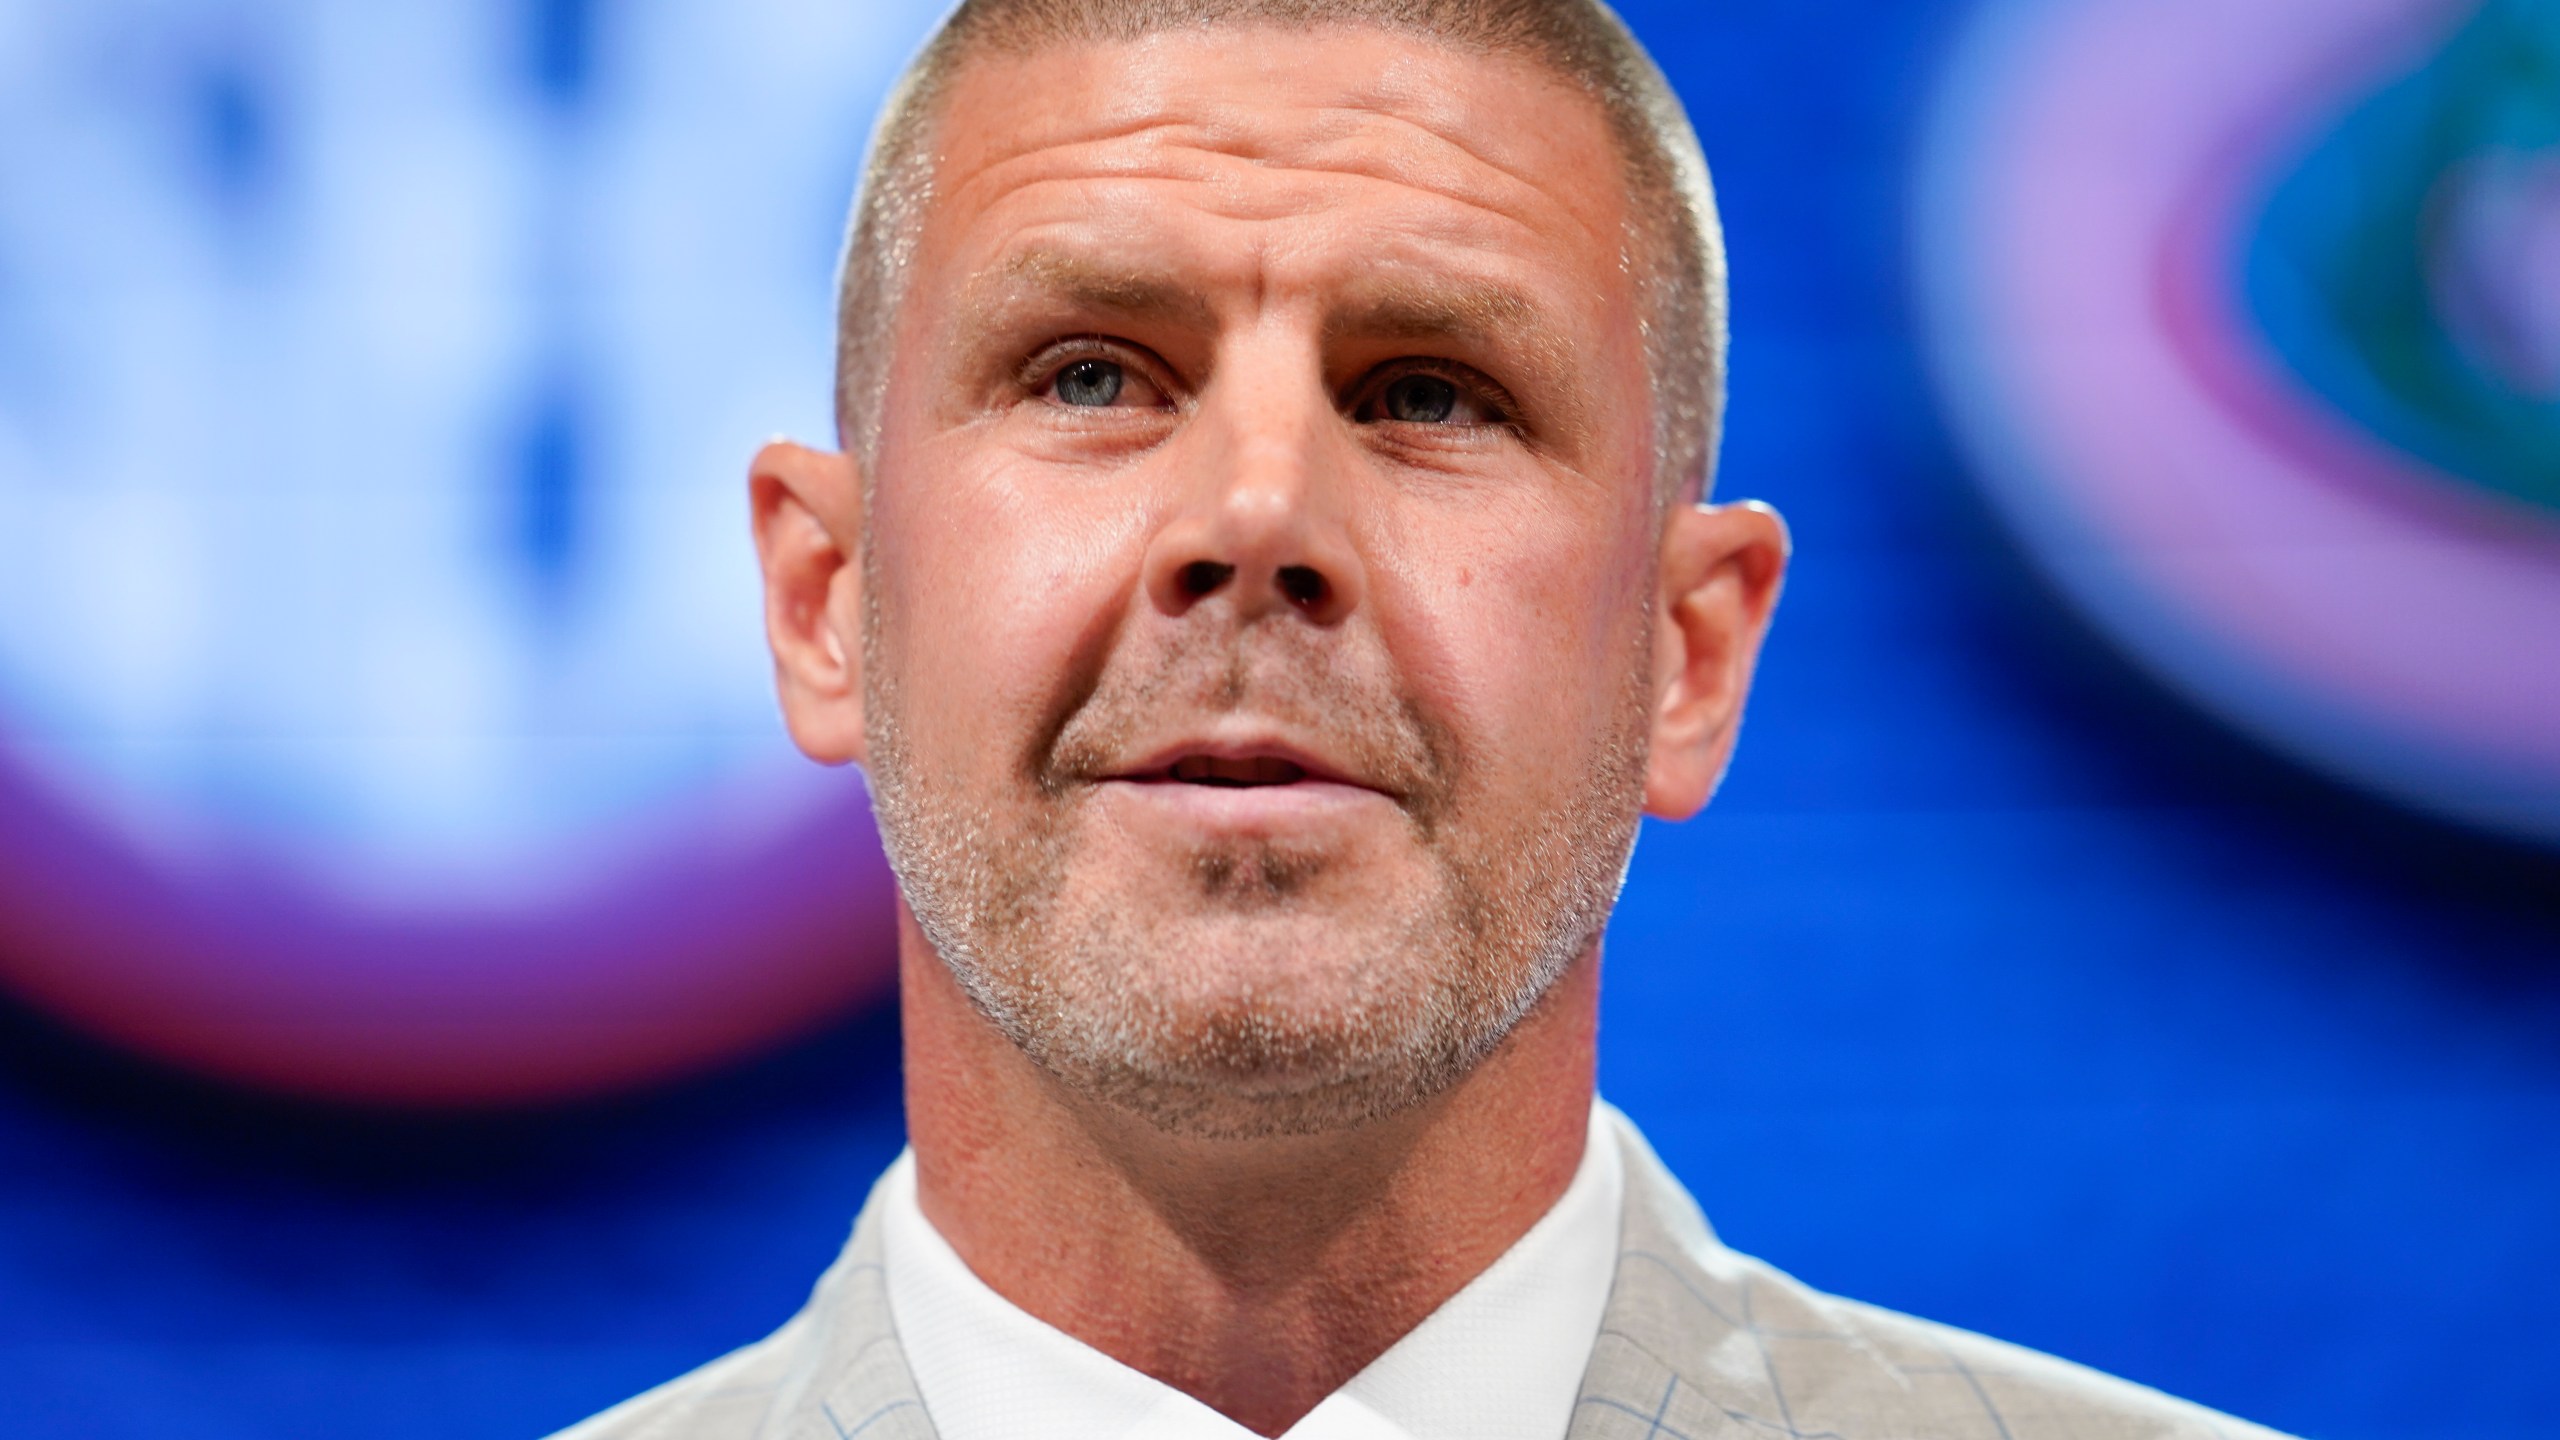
x=1999, y=986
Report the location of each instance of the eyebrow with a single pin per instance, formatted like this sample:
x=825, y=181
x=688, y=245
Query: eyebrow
x=1394, y=309
x=1473, y=311
x=1090, y=285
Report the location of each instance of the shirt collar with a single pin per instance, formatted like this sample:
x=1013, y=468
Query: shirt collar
x=1501, y=1360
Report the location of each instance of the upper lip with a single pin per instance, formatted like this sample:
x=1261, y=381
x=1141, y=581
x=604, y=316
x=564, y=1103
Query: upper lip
x=1159, y=763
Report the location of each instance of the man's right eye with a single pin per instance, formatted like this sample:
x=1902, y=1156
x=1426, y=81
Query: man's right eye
x=1090, y=383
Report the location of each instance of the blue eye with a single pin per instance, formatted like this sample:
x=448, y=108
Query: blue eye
x=1420, y=400
x=1090, y=382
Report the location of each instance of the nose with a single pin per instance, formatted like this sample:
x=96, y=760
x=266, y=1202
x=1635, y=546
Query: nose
x=1262, y=524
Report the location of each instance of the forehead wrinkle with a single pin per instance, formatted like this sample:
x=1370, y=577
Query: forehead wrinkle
x=1144, y=142
x=1537, y=196
x=1049, y=254
x=1405, y=97
x=1229, y=172
x=1395, y=210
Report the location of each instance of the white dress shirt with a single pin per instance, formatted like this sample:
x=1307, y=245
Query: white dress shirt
x=1502, y=1360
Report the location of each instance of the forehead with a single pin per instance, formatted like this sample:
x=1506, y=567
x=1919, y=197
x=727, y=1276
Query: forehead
x=1288, y=160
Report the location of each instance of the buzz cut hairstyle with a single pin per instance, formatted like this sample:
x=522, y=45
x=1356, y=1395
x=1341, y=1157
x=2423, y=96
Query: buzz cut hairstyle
x=1674, y=248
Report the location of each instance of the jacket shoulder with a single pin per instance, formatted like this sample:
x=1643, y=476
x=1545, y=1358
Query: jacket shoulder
x=730, y=1398
x=835, y=1370
x=1701, y=1341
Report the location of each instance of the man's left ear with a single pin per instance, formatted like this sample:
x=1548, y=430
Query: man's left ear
x=1722, y=568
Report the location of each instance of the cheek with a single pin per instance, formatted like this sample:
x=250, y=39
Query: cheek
x=997, y=584
x=1519, y=628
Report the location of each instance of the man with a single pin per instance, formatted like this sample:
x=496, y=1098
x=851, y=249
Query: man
x=1266, y=579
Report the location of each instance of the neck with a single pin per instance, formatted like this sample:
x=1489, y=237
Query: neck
x=1255, y=1275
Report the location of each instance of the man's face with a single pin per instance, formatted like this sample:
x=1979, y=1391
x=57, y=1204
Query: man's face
x=1259, y=563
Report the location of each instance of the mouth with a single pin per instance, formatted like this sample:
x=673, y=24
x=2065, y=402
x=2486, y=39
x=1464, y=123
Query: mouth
x=1272, y=769
x=1235, y=773
x=1238, y=784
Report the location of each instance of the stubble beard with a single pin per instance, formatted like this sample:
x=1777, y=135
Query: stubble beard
x=1259, y=991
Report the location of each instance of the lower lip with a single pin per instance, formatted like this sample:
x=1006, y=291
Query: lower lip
x=1247, y=808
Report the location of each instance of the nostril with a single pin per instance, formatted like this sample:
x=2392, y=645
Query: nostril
x=1305, y=587
x=1201, y=578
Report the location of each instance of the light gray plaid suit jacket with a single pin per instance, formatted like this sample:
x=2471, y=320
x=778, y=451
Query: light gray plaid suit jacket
x=1697, y=1342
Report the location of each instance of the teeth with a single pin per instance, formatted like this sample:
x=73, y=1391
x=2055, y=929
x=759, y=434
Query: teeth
x=1252, y=770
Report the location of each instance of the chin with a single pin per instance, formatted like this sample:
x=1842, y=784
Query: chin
x=1278, y=942
x=1281, y=1019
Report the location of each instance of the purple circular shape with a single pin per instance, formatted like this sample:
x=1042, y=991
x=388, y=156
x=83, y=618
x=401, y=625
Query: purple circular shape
x=2093, y=168
x=695, y=951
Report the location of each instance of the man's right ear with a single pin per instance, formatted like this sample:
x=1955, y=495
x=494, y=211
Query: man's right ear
x=808, y=522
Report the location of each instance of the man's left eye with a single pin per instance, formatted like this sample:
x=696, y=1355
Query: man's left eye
x=1420, y=400
x=1091, y=383
x=1427, y=399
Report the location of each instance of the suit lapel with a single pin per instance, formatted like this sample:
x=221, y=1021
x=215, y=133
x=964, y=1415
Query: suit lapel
x=1679, y=1354
x=851, y=1377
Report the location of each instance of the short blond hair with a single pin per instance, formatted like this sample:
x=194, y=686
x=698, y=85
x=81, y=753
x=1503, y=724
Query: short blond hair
x=1675, y=247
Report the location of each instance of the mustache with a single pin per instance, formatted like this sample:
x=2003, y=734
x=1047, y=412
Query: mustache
x=1343, y=703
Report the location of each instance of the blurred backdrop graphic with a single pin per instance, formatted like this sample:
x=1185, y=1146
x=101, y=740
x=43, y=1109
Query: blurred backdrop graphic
x=379, y=688
x=442, y=1003
x=2252, y=314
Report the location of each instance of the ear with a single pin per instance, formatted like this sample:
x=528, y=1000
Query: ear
x=1722, y=568
x=807, y=507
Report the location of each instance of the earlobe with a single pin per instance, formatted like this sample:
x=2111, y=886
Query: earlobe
x=1722, y=569
x=807, y=511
